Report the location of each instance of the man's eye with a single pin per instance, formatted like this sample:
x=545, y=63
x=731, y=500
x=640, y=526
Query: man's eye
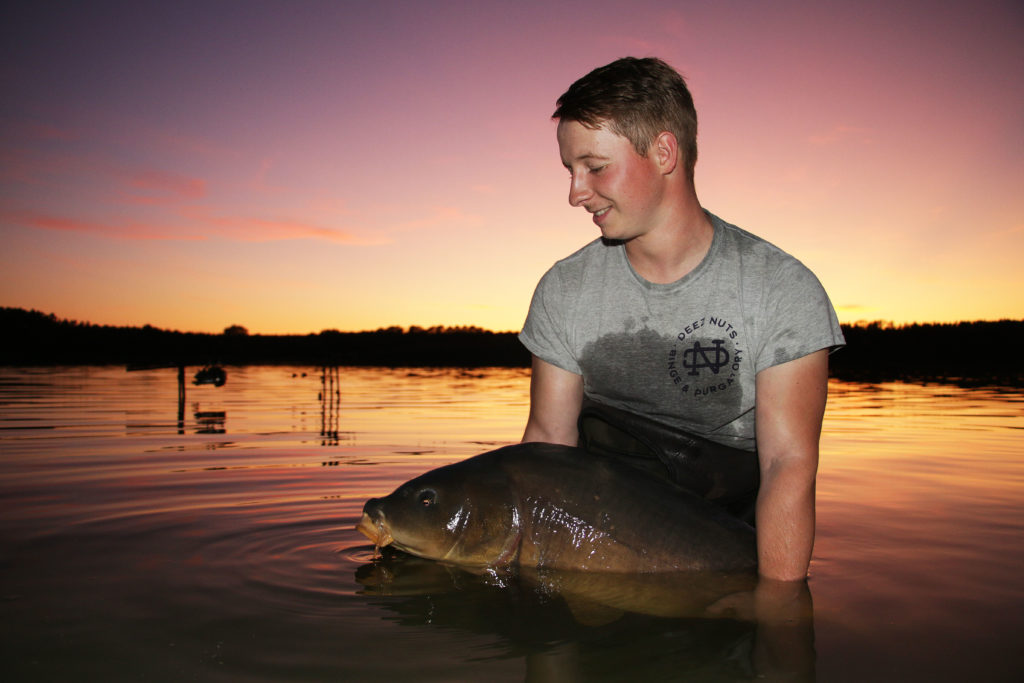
x=597, y=169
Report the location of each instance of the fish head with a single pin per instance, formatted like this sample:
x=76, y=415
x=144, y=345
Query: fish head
x=462, y=515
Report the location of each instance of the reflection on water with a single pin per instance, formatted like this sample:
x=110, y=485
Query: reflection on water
x=562, y=636
x=141, y=545
x=330, y=406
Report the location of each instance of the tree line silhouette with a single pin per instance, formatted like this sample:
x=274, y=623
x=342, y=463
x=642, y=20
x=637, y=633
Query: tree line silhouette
x=979, y=352
x=36, y=338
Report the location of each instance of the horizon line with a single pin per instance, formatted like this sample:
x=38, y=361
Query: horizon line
x=241, y=330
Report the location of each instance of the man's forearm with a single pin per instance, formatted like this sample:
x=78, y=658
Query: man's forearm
x=790, y=406
x=785, y=521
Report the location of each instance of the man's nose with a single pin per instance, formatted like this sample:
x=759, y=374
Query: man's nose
x=579, y=189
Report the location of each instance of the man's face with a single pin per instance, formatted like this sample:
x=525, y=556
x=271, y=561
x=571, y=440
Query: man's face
x=622, y=189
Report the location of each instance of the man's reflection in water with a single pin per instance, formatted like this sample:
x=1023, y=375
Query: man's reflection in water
x=586, y=627
x=784, y=640
x=776, y=645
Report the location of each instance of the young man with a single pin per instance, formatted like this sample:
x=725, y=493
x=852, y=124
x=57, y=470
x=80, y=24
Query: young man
x=676, y=339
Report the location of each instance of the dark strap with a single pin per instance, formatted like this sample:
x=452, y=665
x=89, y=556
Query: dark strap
x=728, y=476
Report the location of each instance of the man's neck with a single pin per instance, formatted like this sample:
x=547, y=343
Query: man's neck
x=669, y=252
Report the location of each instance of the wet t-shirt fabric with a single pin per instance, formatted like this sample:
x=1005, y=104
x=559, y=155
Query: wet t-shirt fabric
x=685, y=354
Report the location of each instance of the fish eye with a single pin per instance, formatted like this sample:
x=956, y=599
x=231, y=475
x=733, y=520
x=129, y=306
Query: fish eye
x=427, y=497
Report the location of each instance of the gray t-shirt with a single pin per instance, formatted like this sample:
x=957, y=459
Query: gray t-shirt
x=686, y=353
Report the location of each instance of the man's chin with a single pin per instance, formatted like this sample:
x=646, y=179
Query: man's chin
x=612, y=236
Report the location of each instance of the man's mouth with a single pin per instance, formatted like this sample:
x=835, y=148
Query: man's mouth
x=600, y=214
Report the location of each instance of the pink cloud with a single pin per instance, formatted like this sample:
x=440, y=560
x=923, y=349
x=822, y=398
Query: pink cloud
x=160, y=187
x=170, y=183
x=245, y=229
x=281, y=230
x=228, y=227
x=188, y=145
x=125, y=230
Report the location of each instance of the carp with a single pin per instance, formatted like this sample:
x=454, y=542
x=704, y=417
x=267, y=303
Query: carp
x=546, y=506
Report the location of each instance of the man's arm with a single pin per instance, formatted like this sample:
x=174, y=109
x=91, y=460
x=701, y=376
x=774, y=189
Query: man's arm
x=790, y=406
x=555, y=399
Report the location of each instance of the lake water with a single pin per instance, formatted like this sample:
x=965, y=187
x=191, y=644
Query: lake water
x=217, y=543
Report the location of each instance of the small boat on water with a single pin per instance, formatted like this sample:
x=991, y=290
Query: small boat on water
x=211, y=374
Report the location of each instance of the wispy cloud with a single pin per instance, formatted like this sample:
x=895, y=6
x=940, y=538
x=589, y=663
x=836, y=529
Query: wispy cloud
x=198, y=224
x=161, y=187
x=252, y=229
x=159, y=204
x=133, y=230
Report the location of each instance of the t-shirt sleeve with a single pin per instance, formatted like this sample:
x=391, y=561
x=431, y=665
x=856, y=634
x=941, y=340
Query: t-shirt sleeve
x=545, y=332
x=801, y=319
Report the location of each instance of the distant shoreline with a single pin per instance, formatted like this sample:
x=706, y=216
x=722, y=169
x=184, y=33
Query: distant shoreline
x=966, y=353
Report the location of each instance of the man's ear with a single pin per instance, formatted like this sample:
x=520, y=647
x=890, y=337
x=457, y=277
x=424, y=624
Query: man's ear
x=665, y=149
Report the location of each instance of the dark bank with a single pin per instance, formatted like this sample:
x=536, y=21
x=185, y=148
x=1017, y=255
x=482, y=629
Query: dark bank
x=965, y=353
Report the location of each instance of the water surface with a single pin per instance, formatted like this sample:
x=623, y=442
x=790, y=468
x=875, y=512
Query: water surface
x=213, y=539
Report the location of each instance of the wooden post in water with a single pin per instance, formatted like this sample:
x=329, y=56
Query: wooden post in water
x=181, y=399
x=330, y=399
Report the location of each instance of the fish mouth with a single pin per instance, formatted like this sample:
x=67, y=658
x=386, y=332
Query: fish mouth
x=375, y=531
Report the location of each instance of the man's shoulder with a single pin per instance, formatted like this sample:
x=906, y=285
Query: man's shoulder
x=748, y=249
x=595, y=254
x=743, y=240
x=597, y=248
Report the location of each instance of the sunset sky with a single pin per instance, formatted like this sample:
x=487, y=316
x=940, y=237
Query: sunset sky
x=299, y=166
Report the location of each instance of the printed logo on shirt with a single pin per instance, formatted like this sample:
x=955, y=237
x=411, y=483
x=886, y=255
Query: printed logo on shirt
x=705, y=359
